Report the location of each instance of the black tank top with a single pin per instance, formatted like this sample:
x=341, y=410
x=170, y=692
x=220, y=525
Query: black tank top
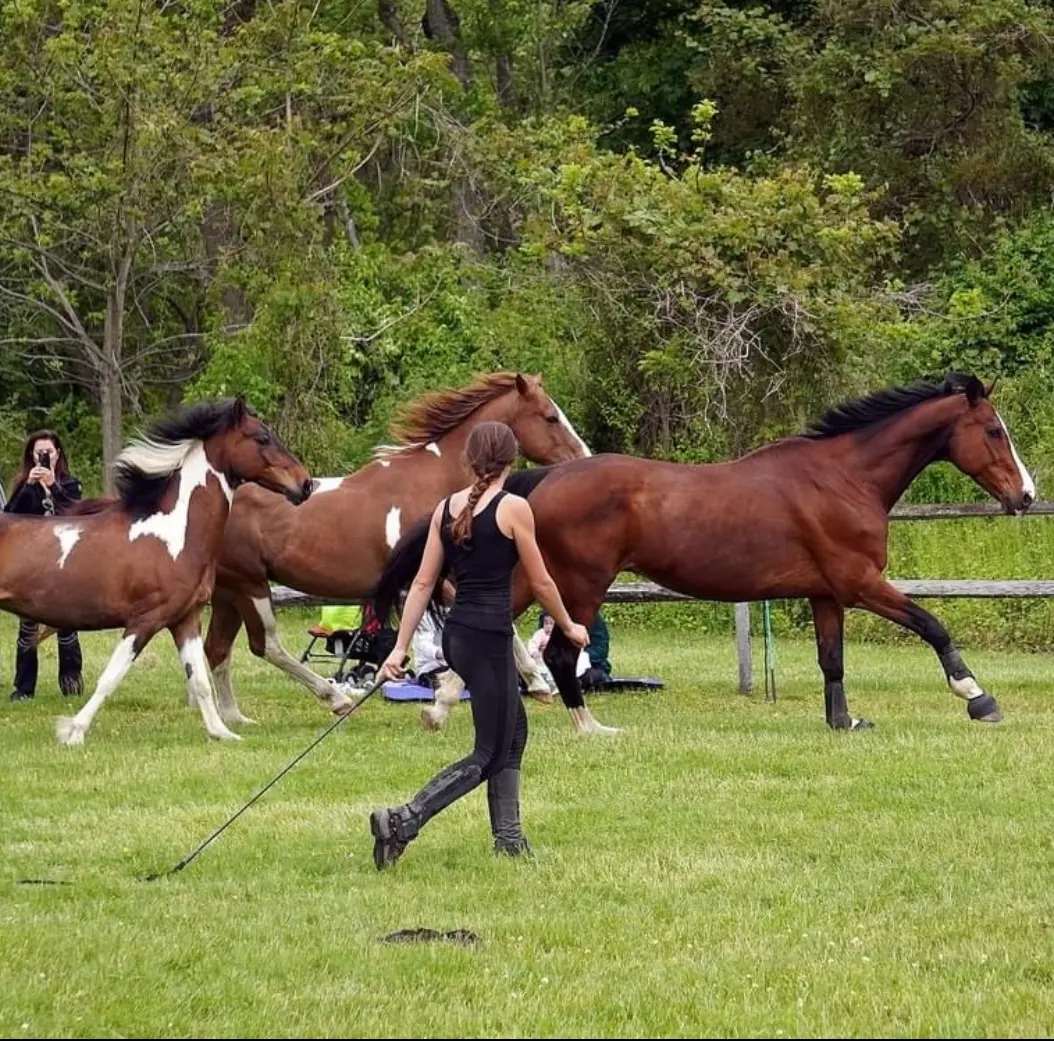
x=482, y=570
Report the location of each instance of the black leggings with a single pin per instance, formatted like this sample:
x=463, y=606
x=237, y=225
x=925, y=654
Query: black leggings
x=484, y=660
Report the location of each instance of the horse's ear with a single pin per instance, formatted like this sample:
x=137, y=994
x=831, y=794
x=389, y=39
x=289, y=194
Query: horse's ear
x=240, y=409
x=975, y=390
x=521, y=384
x=991, y=387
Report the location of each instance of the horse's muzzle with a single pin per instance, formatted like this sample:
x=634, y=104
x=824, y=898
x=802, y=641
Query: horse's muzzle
x=1017, y=505
x=301, y=494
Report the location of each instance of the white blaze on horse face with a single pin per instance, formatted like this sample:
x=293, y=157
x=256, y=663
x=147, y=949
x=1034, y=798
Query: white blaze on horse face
x=67, y=534
x=1027, y=484
x=566, y=424
x=433, y=447
x=171, y=528
x=327, y=484
x=391, y=527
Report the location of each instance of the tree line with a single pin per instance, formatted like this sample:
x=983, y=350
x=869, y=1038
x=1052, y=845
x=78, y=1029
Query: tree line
x=703, y=222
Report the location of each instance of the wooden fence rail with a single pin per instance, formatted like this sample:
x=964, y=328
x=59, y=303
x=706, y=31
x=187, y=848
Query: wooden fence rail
x=650, y=592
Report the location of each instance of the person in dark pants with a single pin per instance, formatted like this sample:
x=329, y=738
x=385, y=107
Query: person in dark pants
x=44, y=486
x=481, y=533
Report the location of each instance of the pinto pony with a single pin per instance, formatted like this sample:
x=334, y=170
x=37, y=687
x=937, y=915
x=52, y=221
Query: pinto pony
x=804, y=517
x=145, y=561
x=336, y=545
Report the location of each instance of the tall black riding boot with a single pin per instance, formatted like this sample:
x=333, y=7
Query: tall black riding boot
x=25, y=661
x=503, y=800
x=395, y=828
x=71, y=682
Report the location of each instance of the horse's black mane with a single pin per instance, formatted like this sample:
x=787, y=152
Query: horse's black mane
x=139, y=491
x=854, y=415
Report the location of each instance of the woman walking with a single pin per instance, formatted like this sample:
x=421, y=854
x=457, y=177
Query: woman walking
x=481, y=533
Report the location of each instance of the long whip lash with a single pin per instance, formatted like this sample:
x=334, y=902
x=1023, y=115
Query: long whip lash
x=270, y=784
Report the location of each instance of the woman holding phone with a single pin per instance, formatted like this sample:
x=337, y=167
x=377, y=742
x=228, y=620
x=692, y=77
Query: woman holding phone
x=43, y=486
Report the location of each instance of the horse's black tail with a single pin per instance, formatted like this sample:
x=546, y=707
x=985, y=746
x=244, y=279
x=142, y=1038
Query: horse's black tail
x=405, y=557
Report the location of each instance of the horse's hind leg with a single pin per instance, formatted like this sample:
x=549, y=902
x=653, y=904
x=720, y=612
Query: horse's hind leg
x=187, y=635
x=829, y=622
x=447, y=695
x=884, y=599
x=527, y=667
x=262, y=627
x=70, y=730
x=224, y=625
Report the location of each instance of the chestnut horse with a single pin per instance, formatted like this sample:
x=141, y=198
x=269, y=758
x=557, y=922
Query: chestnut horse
x=336, y=545
x=803, y=517
x=145, y=561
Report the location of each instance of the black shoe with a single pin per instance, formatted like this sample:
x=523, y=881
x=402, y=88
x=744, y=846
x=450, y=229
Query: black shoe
x=391, y=836
x=503, y=802
x=394, y=829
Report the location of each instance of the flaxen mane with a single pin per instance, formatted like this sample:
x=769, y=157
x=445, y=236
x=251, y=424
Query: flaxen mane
x=435, y=414
x=147, y=466
x=854, y=415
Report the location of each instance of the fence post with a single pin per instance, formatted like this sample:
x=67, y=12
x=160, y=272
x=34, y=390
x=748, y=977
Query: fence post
x=746, y=680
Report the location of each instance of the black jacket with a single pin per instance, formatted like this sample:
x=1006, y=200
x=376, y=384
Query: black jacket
x=29, y=498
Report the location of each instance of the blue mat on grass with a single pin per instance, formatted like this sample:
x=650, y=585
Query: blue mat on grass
x=402, y=691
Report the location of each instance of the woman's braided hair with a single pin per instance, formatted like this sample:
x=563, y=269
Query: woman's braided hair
x=490, y=448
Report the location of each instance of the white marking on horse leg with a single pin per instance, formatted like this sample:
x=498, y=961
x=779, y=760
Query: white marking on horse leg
x=447, y=695
x=433, y=447
x=967, y=688
x=199, y=686
x=228, y=706
x=1027, y=484
x=67, y=534
x=278, y=656
x=585, y=723
x=391, y=527
x=327, y=484
x=566, y=424
x=71, y=730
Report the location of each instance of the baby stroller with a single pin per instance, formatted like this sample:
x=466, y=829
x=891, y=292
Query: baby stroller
x=350, y=634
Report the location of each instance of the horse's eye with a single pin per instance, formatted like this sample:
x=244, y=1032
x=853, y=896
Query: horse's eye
x=552, y=419
x=262, y=438
x=995, y=433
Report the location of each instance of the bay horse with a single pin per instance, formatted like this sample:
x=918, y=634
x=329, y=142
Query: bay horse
x=802, y=517
x=145, y=560
x=335, y=545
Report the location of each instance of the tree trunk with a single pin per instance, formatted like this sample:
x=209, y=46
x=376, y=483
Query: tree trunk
x=220, y=235
x=503, y=60
x=110, y=386
x=441, y=22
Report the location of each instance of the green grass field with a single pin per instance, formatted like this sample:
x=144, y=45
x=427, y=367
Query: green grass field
x=724, y=867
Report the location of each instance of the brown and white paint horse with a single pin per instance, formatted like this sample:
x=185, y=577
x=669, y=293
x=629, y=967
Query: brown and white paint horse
x=335, y=545
x=145, y=561
x=804, y=517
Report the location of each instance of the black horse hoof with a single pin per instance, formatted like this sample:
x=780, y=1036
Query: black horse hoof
x=862, y=724
x=984, y=709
